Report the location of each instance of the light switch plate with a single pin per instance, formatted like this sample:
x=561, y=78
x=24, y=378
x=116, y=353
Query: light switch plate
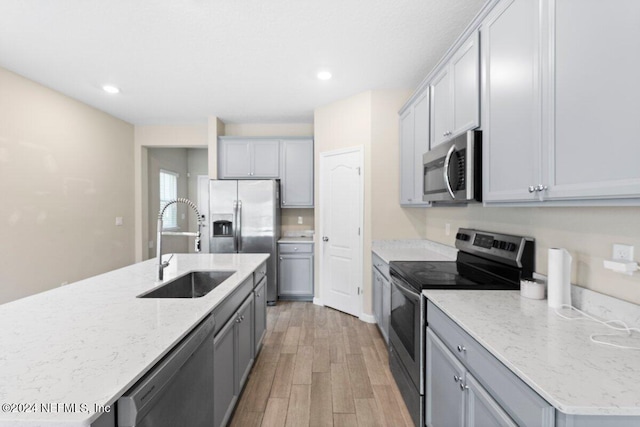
x=119, y=221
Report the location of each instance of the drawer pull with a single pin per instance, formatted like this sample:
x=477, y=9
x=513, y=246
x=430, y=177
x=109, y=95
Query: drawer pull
x=456, y=379
x=461, y=348
x=463, y=387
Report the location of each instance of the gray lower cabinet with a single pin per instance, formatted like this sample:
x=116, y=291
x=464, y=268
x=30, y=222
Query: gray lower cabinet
x=232, y=360
x=466, y=385
x=296, y=173
x=260, y=313
x=295, y=271
x=454, y=396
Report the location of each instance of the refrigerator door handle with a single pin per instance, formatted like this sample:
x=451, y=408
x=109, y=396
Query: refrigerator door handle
x=239, y=227
x=235, y=226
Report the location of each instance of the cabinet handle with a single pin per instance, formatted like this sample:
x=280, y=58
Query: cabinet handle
x=411, y=200
x=461, y=348
x=325, y=239
x=258, y=295
x=541, y=187
x=238, y=320
x=284, y=203
x=532, y=189
x=295, y=249
x=241, y=318
x=280, y=258
x=456, y=378
x=463, y=387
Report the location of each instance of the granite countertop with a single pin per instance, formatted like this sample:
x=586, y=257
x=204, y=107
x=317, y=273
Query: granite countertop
x=413, y=250
x=555, y=357
x=88, y=342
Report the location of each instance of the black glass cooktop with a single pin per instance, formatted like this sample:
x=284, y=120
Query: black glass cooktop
x=455, y=274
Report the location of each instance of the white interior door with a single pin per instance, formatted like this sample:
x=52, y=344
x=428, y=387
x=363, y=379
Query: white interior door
x=341, y=210
x=203, y=207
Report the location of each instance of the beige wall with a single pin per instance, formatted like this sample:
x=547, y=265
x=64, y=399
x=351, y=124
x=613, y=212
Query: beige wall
x=197, y=164
x=587, y=233
x=66, y=173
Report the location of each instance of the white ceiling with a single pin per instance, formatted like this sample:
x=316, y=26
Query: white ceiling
x=245, y=61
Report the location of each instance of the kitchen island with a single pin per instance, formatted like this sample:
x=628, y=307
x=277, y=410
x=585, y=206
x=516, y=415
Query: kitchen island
x=68, y=354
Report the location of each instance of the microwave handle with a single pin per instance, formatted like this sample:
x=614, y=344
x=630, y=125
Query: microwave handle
x=447, y=160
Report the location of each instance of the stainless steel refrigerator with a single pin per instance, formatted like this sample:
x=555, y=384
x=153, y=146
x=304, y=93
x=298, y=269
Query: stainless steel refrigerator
x=245, y=218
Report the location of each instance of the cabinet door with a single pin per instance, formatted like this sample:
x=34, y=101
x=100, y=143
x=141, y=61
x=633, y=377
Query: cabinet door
x=445, y=385
x=260, y=314
x=440, y=108
x=265, y=159
x=465, y=75
x=296, y=275
x=386, y=307
x=377, y=296
x=482, y=409
x=422, y=121
x=235, y=159
x=224, y=374
x=511, y=112
x=593, y=147
x=245, y=341
x=407, y=144
x=297, y=173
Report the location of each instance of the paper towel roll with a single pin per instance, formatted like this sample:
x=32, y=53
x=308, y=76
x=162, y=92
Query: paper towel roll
x=559, y=277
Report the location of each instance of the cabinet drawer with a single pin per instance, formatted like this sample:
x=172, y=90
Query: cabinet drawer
x=295, y=248
x=522, y=404
x=381, y=265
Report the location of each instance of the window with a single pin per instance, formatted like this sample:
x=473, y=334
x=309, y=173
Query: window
x=168, y=192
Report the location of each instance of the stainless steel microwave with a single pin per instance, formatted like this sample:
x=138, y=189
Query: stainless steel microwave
x=453, y=170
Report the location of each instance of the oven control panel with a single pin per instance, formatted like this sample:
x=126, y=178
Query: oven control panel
x=505, y=248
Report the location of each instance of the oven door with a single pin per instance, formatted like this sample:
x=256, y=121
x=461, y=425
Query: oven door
x=405, y=329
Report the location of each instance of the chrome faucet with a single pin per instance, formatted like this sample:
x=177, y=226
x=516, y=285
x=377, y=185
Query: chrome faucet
x=162, y=265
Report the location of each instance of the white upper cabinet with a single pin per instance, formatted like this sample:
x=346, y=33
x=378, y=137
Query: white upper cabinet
x=240, y=158
x=455, y=93
x=593, y=108
x=511, y=110
x=414, y=142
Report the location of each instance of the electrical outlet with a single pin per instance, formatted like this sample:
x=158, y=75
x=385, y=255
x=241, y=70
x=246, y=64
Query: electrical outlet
x=299, y=220
x=622, y=252
x=119, y=221
x=447, y=229
x=150, y=244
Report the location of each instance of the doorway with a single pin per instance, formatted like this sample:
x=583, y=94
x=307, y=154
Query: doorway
x=341, y=229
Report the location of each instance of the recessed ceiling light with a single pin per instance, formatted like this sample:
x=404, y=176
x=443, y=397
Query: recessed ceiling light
x=110, y=89
x=324, y=75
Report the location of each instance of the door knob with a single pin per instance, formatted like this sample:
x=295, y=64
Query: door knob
x=325, y=239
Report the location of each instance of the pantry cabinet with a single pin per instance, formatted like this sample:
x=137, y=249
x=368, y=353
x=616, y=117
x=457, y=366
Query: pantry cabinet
x=455, y=93
x=414, y=142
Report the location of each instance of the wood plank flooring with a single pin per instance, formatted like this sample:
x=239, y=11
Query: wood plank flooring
x=320, y=367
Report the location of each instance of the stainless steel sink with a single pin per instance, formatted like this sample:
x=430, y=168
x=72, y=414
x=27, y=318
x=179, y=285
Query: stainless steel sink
x=192, y=285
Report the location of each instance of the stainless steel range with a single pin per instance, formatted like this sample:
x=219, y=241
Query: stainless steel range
x=485, y=261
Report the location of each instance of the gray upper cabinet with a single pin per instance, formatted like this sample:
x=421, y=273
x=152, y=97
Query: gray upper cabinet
x=455, y=93
x=244, y=158
x=414, y=142
x=593, y=109
x=296, y=173
x=561, y=106
x=511, y=110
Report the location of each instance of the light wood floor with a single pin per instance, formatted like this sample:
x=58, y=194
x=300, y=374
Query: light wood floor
x=320, y=367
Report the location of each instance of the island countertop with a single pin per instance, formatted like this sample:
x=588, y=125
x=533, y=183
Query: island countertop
x=86, y=343
x=554, y=356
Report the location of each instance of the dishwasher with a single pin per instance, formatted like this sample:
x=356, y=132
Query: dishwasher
x=178, y=390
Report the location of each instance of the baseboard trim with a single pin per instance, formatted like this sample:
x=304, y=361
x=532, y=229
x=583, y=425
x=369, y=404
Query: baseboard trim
x=317, y=301
x=367, y=318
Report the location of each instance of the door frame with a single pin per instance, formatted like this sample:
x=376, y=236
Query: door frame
x=360, y=270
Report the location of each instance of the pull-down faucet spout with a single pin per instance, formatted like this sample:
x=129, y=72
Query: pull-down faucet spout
x=161, y=232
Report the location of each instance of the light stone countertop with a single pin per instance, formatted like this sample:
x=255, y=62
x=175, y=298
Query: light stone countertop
x=90, y=341
x=297, y=239
x=553, y=356
x=413, y=250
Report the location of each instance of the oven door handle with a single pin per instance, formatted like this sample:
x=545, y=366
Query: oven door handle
x=445, y=172
x=411, y=293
